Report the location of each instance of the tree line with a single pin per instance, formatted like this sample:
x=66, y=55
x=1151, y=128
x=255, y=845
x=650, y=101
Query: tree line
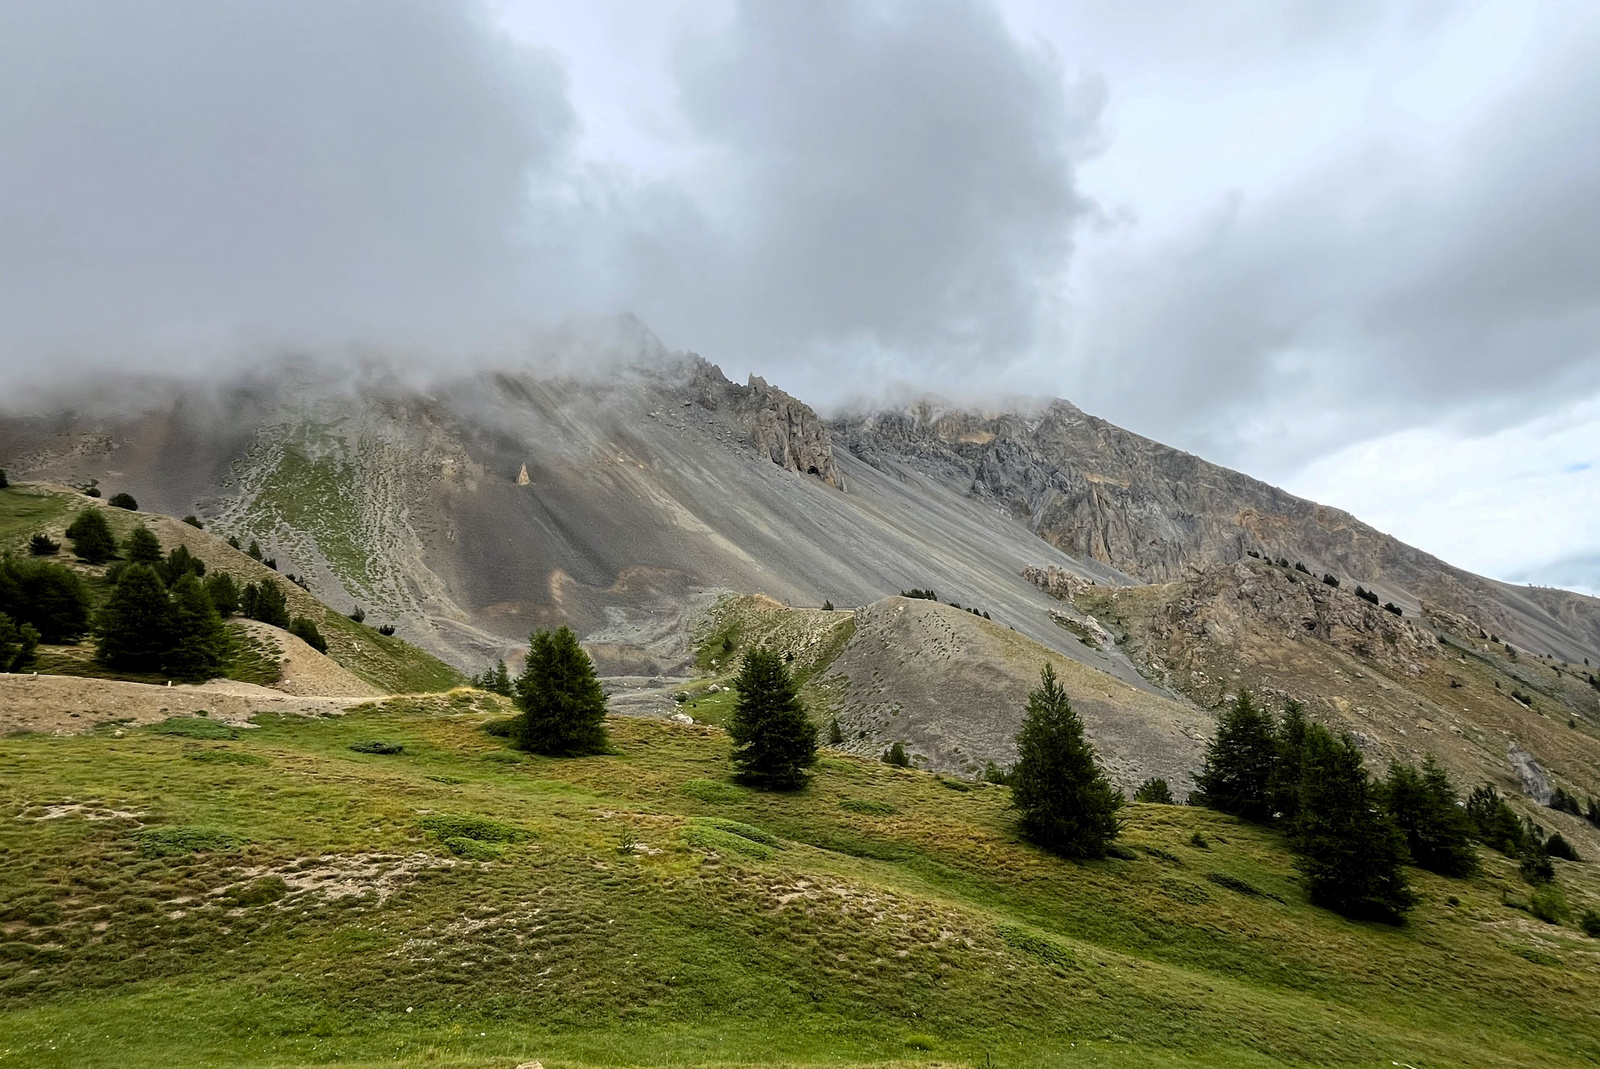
x=162, y=612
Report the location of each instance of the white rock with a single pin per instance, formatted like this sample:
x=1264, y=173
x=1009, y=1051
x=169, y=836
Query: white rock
x=682, y=718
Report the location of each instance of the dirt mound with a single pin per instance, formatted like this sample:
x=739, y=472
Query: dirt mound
x=68, y=705
x=306, y=672
x=952, y=687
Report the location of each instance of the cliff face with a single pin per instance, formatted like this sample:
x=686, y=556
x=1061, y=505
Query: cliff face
x=780, y=427
x=1099, y=492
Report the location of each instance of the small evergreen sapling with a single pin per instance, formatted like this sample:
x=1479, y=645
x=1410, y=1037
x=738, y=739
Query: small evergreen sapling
x=1068, y=805
x=40, y=545
x=896, y=755
x=495, y=680
x=774, y=741
x=563, y=707
x=1154, y=790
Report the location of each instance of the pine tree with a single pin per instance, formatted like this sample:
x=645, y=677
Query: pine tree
x=41, y=545
x=563, y=707
x=896, y=755
x=1349, y=850
x=1423, y=806
x=91, y=537
x=774, y=741
x=142, y=546
x=303, y=629
x=199, y=642
x=50, y=598
x=1494, y=822
x=179, y=563
x=1154, y=790
x=1237, y=776
x=265, y=601
x=4, y=482
x=1068, y=805
x=1289, y=750
x=223, y=592
x=17, y=643
x=134, y=623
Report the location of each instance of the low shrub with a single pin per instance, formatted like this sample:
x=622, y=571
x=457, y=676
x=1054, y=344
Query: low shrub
x=1200, y=841
x=1590, y=923
x=179, y=839
x=1549, y=904
x=869, y=806
x=1557, y=846
x=378, y=746
x=707, y=837
x=1035, y=945
x=500, y=729
x=225, y=757
x=257, y=893
x=714, y=791
x=474, y=849
x=445, y=827
x=734, y=827
x=195, y=727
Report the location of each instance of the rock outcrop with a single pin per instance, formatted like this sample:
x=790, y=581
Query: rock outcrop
x=782, y=428
x=1099, y=492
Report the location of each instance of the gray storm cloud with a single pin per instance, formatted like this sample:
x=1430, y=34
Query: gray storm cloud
x=192, y=181
x=191, y=185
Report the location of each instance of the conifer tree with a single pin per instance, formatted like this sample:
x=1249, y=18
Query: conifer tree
x=1349, y=850
x=1154, y=790
x=223, y=592
x=142, y=546
x=495, y=680
x=50, y=598
x=1289, y=747
x=41, y=545
x=306, y=631
x=199, y=642
x=1237, y=776
x=91, y=537
x=17, y=643
x=1494, y=822
x=774, y=741
x=181, y=562
x=563, y=707
x=1423, y=806
x=266, y=601
x=134, y=623
x=1068, y=805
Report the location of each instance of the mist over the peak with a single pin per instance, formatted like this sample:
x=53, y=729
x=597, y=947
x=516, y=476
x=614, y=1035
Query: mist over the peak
x=194, y=187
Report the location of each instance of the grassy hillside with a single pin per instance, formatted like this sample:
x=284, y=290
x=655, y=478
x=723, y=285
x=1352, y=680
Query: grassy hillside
x=386, y=662
x=198, y=895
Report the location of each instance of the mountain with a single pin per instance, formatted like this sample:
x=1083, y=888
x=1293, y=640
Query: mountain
x=634, y=499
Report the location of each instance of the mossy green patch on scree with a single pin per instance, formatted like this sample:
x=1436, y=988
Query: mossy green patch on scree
x=305, y=904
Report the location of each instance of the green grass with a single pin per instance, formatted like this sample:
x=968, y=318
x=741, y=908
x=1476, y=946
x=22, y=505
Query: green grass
x=25, y=511
x=318, y=906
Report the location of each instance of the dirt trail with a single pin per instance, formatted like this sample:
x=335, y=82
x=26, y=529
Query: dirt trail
x=67, y=705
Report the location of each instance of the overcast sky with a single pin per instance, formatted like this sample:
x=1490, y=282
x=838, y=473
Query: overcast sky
x=1350, y=248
